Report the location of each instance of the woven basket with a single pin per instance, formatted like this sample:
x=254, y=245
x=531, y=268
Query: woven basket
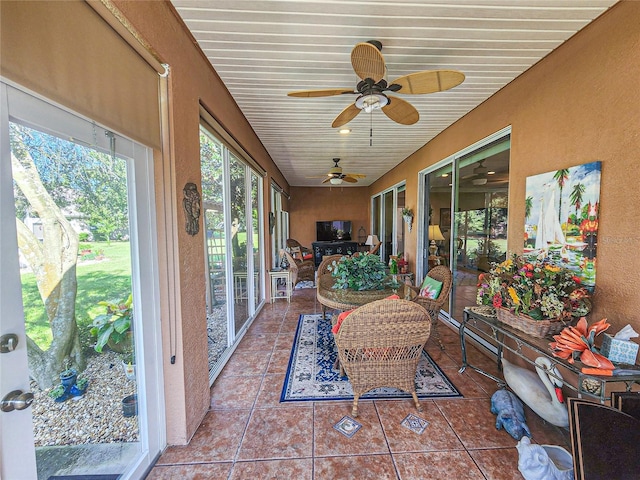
x=528, y=325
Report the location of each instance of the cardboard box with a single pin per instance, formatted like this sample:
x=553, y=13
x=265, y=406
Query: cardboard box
x=621, y=351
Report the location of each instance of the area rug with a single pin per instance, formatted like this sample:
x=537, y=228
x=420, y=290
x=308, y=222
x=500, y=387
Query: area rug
x=305, y=284
x=311, y=376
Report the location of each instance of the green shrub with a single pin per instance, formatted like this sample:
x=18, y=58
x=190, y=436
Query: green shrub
x=113, y=325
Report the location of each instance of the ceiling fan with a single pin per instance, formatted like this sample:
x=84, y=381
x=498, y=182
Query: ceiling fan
x=368, y=64
x=336, y=177
x=481, y=176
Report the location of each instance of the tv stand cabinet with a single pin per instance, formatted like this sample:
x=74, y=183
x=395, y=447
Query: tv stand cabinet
x=320, y=249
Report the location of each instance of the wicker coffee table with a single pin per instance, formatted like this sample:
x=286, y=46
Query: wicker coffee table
x=347, y=299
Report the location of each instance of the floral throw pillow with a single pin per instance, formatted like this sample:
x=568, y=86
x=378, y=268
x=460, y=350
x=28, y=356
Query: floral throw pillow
x=430, y=288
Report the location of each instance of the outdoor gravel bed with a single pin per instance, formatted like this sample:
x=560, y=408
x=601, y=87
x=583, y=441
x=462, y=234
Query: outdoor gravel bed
x=94, y=418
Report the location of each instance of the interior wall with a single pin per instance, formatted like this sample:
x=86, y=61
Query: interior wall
x=311, y=204
x=579, y=104
x=192, y=82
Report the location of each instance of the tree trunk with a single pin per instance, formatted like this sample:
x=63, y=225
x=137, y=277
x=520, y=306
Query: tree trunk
x=54, y=264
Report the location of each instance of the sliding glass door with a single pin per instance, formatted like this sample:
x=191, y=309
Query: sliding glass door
x=387, y=221
x=232, y=200
x=464, y=223
x=78, y=239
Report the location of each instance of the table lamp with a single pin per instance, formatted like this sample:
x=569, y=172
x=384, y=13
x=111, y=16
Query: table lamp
x=434, y=234
x=372, y=241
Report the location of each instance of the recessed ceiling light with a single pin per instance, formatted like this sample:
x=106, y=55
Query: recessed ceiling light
x=445, y=175
x=491, y=172
x=345, y=131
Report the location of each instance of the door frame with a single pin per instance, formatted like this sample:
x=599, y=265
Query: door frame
x=16, y=439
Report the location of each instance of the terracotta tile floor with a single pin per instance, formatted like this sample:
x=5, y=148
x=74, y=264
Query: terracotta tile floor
x=248, y=434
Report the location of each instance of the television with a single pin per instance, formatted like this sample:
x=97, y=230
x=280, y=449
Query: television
x=333, y=231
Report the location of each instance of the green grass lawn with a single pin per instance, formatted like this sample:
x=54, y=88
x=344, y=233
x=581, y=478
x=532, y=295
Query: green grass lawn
x=109, y=279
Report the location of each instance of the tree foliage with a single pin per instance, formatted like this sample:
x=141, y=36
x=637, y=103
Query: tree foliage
x=79, y=178
x=53, y=262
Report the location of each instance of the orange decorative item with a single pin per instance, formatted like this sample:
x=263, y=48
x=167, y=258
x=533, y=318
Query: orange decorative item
x=576, y=343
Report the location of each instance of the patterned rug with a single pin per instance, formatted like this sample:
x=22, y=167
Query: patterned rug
x=311, y=376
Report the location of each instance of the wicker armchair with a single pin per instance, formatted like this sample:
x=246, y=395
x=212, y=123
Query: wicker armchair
x=291, y=243
x=322, y=269
x=379, y=345
x=433, y=306
x=301, y=270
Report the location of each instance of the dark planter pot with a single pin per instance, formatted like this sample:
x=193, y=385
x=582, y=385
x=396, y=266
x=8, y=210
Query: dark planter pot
x=130, y=406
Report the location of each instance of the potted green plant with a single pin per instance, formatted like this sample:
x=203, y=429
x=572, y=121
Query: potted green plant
x=58, y=394
x=80, y=387
x=113, y=328
x=129, y=365
x=68, y=377
x=360, y=272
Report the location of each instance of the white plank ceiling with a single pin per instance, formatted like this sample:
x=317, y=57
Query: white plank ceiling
x=264, y=49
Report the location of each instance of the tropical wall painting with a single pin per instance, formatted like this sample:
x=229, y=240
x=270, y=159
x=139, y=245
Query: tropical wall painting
x=561, y=218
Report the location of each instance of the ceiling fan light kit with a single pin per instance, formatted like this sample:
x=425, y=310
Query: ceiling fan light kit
x=335, y=176
x=369, y=65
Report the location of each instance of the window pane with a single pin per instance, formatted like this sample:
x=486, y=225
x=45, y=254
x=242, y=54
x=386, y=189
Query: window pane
x=211, y=166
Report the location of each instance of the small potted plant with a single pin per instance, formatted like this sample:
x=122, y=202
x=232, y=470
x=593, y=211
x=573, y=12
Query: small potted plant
x=113, y=328
x=129, y=365
x=68, y=377
x=80, y=388
x=58, y=394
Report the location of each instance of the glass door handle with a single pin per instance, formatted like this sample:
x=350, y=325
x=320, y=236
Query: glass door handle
x=8, y=342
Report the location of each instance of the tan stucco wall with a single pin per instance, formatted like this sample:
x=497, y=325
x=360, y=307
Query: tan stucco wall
x=192, y=82
x=309, y=205
x=579, y=104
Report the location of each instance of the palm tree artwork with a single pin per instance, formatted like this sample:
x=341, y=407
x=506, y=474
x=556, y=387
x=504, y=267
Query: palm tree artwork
x=576, y=197
x=561, y=177
x=561, y=234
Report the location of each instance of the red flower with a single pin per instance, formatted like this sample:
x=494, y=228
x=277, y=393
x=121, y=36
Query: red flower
x=576, y=279
x=529, y=274
x=497, y=300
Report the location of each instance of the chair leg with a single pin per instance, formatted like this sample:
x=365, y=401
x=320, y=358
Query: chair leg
x=354, y=410
x=415, y=400
x=434, y=329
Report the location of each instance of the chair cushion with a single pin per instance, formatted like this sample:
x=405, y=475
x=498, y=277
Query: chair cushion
x=346, y=313
x=430, y=288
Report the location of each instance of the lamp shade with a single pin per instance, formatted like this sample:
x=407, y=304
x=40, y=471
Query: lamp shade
x=372, y=240
x=335, y=181
x=435, y=233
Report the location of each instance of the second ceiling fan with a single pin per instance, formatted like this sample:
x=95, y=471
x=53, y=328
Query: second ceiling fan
x=368, y=64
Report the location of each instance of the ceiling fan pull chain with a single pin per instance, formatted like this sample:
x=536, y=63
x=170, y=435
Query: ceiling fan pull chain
x=371, y=129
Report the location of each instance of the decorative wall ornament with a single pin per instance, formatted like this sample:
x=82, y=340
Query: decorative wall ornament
x=407, y=215
x=191, y=205
x=272, y=222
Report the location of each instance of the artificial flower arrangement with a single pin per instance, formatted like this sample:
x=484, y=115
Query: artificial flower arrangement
x=539, y=289
x=577, y=343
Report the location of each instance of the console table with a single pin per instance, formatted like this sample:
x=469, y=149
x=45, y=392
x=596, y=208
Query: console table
x=320, y=249
x=489, y=328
